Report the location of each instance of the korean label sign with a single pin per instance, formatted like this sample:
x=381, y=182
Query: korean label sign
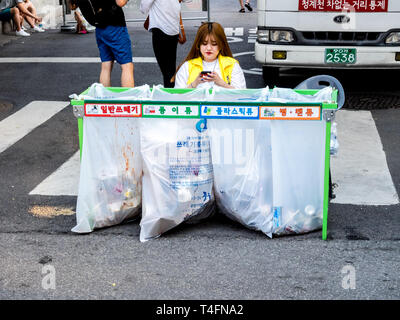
x=290, y=112
x=170, y=111
x=112, y=110
x=282, y=112
x=229, y=112
x=344, y=5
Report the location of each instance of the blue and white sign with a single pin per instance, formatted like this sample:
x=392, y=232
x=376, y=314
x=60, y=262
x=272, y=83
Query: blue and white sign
x=229, y=112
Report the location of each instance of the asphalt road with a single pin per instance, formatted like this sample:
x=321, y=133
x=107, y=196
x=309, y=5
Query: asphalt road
x=217, y=259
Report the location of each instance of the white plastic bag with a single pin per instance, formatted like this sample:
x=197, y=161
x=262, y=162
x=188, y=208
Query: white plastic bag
x=284, y=95
x=111, y=168
x=242, y=163
x=110, y=177
x=239, y=95
x=98, y=92
x=298, y=161
x=177, y=170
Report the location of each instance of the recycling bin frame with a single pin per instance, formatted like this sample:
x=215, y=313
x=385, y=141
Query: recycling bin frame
x=327, y=112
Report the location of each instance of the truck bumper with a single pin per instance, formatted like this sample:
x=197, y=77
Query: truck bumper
x=314, y=57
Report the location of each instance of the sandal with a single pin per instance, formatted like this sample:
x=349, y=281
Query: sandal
x=242, y=10
x=247, y=5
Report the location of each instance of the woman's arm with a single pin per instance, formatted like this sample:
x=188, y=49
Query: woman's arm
x=182, y=77
x=238, y=80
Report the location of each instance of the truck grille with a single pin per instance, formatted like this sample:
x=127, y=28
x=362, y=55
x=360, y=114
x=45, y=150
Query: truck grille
x=340, y=38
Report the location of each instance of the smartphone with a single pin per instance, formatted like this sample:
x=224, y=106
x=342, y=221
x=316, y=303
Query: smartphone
x=205, y=73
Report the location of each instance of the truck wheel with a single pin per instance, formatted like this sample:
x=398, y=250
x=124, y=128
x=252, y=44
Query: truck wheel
x=270, y=76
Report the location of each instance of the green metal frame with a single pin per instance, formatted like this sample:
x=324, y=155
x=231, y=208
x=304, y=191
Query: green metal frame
x=324, y=106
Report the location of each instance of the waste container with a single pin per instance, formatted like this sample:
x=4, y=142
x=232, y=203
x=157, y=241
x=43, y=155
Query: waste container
x=298, y=146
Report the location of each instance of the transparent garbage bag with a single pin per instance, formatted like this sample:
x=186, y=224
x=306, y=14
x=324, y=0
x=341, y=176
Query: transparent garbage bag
x=284, y=95
x=111, y=170
x=242, y=163
x=239, y=95
x=298, y=185
x=298, y=162
x=98, y=92
x=177, y=170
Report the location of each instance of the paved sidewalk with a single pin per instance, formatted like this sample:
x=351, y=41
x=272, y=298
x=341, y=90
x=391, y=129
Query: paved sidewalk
x=6, y=38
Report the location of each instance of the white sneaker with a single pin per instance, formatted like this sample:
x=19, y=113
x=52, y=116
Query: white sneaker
x=23, y=28
x=22, y=33
x=37, y=29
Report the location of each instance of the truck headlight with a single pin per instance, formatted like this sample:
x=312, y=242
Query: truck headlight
x=281, y=36
x=393, y=38
x=262, y=35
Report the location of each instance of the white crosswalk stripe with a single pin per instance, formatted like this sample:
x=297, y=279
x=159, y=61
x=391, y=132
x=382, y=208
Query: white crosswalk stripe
x=19, y=124
x=62, y=182
x=360, y=169
x=68, y=60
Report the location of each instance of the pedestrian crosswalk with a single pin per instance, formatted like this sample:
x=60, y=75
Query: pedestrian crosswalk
x=62, y=182
x=19, y=124
x=359, y=167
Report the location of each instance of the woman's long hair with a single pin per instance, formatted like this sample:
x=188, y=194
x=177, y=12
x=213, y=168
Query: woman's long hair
x=207, y=29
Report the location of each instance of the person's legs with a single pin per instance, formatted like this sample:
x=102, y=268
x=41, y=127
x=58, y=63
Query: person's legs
x=120, y=43
x=164, y=47
x=241, y=6
x=114, y=44
x=80, y=27
x=29, y=6
x=106, y=56
x=105, y=73
x=12, y=13
x=127, y=79
x=248, y=6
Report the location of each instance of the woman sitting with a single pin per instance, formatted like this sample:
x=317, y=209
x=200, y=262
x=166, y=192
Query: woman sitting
x=210, y=62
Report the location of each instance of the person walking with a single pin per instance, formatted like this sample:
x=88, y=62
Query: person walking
x=112, y=37
x=246, y=4
x=210, y=62
x=164, y=24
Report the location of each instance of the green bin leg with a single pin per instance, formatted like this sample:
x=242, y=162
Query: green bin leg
x=326, y=180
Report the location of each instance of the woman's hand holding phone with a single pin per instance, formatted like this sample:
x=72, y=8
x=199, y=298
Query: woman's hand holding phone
x=207, y=76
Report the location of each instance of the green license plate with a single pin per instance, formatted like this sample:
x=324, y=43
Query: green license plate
x=340, y=56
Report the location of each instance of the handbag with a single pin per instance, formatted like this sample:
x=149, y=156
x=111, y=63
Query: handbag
x=182, y=35
x=146, y=23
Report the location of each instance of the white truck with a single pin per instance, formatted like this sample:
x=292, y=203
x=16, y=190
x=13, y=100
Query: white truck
x=327, y=34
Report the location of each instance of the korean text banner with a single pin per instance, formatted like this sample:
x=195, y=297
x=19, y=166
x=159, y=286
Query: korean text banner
x=344, y=5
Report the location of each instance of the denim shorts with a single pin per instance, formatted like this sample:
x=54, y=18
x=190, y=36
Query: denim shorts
x=114, y=43
x=5, y=15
